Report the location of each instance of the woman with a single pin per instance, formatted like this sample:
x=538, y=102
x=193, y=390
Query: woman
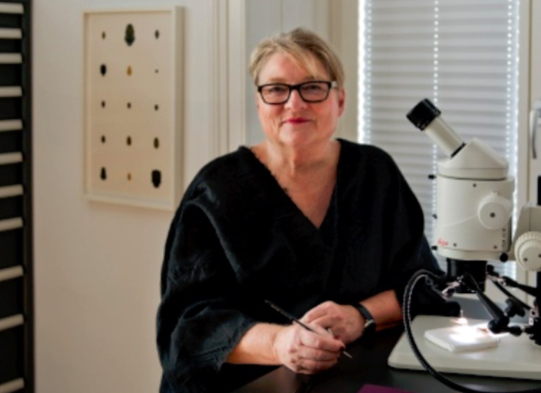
x=326, y=229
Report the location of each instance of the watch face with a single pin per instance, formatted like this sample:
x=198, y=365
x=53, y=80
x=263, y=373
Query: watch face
x=369, y=326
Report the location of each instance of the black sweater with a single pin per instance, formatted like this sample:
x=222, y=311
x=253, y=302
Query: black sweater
x=238, y=239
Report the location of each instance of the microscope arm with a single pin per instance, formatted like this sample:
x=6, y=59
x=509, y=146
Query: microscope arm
x=495, y=278
x=513, y=284
x=500, y=323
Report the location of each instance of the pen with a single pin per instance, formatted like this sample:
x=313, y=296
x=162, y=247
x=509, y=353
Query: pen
x=293, y=319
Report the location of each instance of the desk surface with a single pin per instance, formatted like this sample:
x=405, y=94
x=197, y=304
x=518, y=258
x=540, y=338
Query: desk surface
x=369, y=365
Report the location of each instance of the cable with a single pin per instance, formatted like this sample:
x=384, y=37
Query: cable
x=493, y=276
x=407, y=324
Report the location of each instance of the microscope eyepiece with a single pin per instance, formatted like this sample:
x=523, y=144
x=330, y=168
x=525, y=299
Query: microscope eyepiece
x=426, y=117
x=423, y=114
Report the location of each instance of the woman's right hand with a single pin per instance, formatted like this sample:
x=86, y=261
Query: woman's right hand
x=306, y=352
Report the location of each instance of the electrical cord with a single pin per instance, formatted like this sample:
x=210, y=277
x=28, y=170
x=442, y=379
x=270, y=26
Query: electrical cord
x=407, y=324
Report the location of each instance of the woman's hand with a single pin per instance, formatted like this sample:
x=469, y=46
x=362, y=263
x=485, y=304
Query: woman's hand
x=306, y=352
x=344, y=321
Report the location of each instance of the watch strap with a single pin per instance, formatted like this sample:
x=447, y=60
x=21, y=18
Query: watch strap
x=369, y=321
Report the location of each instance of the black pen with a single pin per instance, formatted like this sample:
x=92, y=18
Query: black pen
x=293, y=319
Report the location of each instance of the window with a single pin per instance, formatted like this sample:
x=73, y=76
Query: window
x=463, y=56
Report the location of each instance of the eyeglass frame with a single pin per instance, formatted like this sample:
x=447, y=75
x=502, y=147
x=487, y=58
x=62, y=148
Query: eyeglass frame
x=330, y=85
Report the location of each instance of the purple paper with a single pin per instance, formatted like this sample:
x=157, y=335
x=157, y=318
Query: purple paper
x=380, y=389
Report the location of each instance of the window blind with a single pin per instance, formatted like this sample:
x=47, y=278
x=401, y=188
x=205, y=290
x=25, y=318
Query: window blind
x=463, y=56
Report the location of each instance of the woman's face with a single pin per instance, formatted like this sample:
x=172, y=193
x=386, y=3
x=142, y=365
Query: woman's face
x=297, y=123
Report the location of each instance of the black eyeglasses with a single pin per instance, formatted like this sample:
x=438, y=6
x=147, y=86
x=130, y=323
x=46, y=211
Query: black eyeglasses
x=279, y=93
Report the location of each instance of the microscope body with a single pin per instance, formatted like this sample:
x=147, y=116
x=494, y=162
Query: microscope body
x=473, y=205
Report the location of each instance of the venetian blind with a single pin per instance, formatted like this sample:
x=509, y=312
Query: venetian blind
x=462, y=55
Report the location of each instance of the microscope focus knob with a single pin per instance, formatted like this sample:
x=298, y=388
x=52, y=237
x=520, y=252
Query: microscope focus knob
x=494, y=211
x=528, y=251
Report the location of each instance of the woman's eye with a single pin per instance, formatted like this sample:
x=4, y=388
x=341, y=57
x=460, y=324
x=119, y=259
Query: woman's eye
x=277, y=89
x=314, y=87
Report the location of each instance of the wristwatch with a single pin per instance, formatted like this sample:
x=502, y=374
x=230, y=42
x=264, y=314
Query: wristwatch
x=369, y=321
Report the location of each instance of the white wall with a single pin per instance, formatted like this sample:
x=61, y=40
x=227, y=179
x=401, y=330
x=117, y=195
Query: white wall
x=97, y=265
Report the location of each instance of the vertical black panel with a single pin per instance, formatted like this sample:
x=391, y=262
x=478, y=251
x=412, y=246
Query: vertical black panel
x=17, y=344
x=28, y=254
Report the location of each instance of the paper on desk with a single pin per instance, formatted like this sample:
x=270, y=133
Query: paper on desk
x=380, y=389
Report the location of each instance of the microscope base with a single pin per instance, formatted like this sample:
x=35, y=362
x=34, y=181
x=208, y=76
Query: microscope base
x=514, y=357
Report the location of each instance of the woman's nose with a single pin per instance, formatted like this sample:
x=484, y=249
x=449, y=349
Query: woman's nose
x=295, y=100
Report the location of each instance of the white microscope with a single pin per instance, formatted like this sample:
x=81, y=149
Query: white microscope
x=473, y=225
x=474, y=209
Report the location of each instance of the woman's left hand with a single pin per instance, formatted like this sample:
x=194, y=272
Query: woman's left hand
x=344, y=321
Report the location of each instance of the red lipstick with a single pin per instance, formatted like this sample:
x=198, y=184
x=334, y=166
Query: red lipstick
x=297, y=120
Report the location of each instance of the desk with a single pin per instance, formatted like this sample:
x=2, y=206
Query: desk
x=369, y=365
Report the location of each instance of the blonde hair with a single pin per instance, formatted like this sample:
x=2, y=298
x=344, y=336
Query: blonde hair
x=303, y=46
